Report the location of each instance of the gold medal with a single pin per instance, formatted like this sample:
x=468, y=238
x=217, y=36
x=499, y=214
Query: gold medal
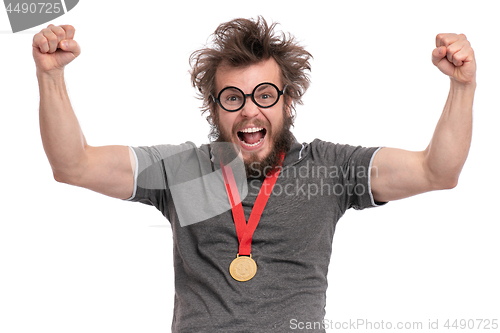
x=243, y=268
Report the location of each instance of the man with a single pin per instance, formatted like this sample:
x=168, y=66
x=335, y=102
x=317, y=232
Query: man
x=251, y=252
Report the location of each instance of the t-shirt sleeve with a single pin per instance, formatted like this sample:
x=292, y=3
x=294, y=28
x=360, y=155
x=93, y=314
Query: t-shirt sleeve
x=179, y=180
x=150, y=178
x=352, y=166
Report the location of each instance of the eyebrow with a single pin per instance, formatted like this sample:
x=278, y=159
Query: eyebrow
x=228, y=86
x=262, y=88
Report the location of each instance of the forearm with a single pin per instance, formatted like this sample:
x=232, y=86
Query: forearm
x=62, y=136
x=449, y=147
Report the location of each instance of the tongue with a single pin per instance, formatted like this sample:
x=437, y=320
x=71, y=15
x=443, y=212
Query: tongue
x=251, y=138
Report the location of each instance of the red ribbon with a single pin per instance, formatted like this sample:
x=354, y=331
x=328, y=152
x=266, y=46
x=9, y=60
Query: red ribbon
x=245, y=230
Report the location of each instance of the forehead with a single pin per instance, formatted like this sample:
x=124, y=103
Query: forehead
x=246, y=78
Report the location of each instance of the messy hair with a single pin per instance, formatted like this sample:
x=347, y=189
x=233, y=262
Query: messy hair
x=243, y=42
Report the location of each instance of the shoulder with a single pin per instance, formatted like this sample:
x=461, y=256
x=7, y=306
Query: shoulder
x=337, y=153
x=173, y=155
x=320, y=149
x=166, y=150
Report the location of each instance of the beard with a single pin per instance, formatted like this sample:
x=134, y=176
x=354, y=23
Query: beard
x=281, y=140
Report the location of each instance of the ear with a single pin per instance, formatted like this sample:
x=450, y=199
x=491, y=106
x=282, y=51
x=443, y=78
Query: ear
x=213, y=110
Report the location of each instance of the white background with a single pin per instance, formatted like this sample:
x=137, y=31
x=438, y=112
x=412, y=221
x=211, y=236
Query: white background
x=75, y=261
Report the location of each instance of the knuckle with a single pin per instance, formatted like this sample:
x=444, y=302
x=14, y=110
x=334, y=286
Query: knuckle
x=43, y=41
x=51, y=38
x=39, y=37
x=69, y=29
x=48, y=33
x=445, y=41
x=59, y=32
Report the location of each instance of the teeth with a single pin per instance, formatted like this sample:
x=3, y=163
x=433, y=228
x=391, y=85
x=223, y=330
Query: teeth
x=253, y=144
x=252, y=129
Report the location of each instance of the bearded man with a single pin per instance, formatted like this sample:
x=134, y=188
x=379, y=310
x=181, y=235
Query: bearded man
x=253, y=212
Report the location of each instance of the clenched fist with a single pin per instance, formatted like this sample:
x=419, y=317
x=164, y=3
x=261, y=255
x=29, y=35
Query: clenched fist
x=54, y=48
x=454, y=57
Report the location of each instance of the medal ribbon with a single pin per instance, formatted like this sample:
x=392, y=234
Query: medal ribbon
x=245, y=230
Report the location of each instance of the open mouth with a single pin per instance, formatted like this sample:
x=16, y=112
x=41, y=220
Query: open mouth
x=252, y=136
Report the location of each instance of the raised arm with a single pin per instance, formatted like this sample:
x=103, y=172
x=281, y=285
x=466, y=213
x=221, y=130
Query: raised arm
x=107, y=170
x=398, y=173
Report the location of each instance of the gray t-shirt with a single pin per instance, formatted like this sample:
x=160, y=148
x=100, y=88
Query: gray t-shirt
x=292, y=244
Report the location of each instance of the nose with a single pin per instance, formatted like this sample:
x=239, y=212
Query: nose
x=250, y=109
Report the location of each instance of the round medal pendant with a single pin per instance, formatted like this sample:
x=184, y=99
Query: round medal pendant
x=243, y=268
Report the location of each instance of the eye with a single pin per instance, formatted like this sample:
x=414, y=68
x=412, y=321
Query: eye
x=266, y=97
x=233, y=98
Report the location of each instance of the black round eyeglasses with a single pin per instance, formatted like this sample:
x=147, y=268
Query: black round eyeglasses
x=264, y=95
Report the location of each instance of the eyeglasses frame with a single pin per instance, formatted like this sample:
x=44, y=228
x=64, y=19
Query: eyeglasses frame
x=280, y=93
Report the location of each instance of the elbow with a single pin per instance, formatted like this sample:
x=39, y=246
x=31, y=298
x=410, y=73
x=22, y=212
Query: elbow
x=68, y=173
x=63, y=177
x=442, y=178
x=60, y=178
x=446, y=183
x=450, y=184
